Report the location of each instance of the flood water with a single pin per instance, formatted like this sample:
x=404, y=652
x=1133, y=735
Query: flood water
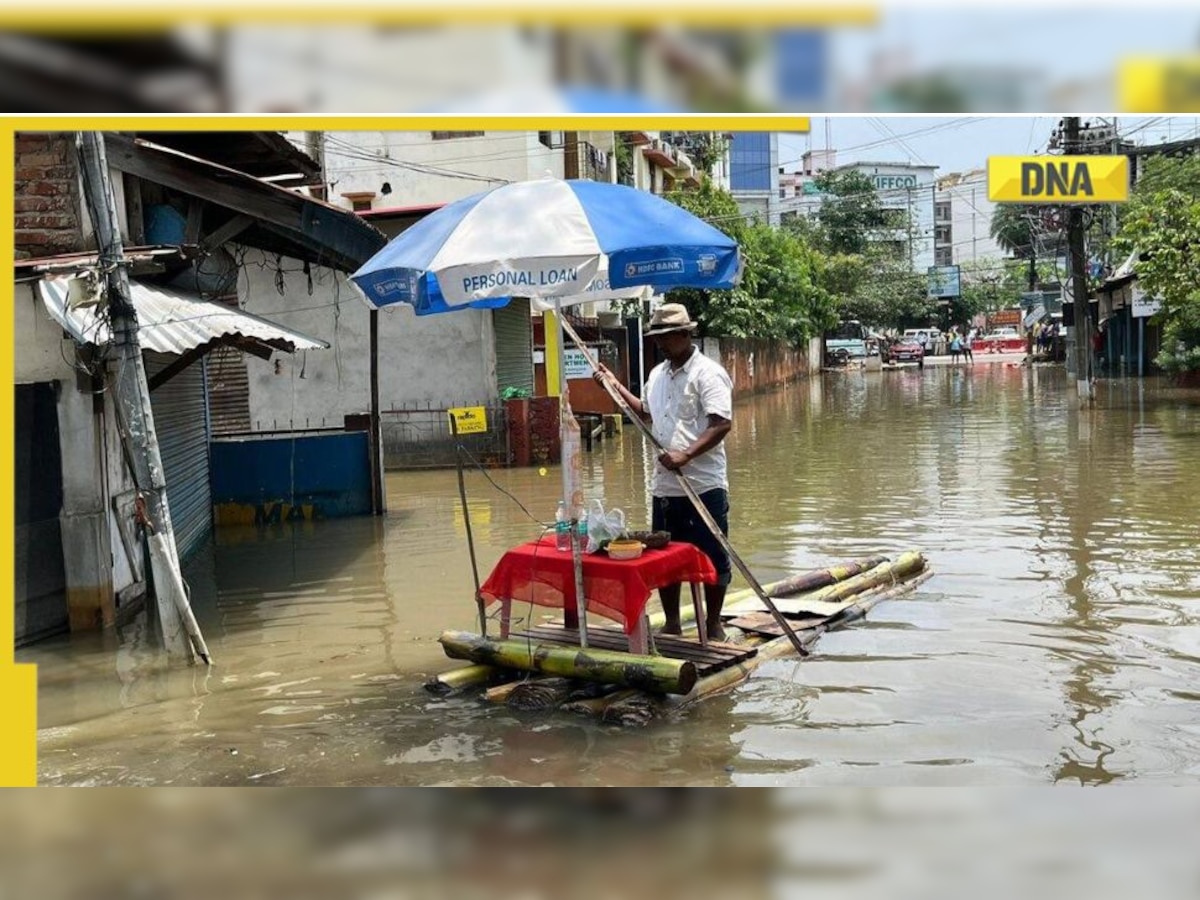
x=1059, y=640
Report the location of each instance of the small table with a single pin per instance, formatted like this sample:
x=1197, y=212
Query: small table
x=617, y=589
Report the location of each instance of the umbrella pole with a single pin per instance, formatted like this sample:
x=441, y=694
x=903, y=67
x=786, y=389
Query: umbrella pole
x=564, y=408
x=462, y=494
x=700, y=507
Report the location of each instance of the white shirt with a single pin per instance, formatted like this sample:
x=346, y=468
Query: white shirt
x=679, y=403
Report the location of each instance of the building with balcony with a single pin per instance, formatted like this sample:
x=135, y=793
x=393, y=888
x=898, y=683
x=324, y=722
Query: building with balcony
x=962, y=218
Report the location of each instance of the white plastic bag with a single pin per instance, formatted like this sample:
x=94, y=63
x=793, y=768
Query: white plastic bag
x=603, y=526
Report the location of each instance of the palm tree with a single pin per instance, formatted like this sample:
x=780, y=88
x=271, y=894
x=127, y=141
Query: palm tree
x=1012, y=229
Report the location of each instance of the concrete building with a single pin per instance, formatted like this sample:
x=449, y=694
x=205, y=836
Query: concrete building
x=378, y=170
x=190, y=225
x=907, y=187
x=963, y=219
x=754, y=174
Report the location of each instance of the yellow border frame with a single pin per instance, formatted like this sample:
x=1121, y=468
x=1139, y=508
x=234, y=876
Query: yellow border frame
x=18, y=683
x=134, y=19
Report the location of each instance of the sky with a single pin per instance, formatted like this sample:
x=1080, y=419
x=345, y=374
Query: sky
x=957, y=143
x=1061, y=41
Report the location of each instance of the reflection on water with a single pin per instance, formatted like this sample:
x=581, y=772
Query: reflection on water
x=1058, y=642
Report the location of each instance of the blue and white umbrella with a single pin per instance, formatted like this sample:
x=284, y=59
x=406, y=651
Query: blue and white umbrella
x=555, y=241
x=547, y=239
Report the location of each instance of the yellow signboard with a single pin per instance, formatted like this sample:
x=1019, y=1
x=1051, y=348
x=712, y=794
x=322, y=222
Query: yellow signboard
x=1058, y=179
x=1159, y=85
x=469, y=419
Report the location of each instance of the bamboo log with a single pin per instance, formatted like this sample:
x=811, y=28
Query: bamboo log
x=776, y=647
x=734, y=675
x=637, y=710
x=656, y=674
x=819, y=578
x=595, y=706
x=745, y=598
x=457, y=679
x=499, y=693
x=534, y=694
x=904, y=566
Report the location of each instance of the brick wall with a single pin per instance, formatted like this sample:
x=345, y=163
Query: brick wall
x=757, y=366
x=46, y=196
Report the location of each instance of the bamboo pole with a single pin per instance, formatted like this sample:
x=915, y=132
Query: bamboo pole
x=462, y=495
x=656, y=674
x=745, y=599
x=595, y=706
x=904, y=565
x=457, y=679
x=818, y=578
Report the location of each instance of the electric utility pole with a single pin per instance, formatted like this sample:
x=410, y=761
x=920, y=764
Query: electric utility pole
x=181, y=634
x=1079, y=292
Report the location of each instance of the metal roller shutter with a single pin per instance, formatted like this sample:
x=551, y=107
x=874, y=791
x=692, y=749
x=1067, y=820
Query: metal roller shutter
x=181, y=421
x=514, y=345
x=228, y=391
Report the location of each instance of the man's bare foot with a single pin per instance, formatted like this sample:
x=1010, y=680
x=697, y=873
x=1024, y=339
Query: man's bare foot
x=716, y=634
x=670, y=629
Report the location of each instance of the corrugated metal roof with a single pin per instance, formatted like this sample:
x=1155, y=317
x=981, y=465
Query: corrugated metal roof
x=171, y=321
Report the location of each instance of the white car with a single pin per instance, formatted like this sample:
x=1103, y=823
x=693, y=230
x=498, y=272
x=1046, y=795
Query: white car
x=926, y=337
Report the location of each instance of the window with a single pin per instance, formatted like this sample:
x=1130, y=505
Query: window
x=941, y=234
x=943, y=256
x=451, y=135
x=941, y=212
x=551, y=139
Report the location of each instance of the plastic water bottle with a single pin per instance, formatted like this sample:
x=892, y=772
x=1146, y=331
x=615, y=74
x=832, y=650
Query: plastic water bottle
x=581, y=530
x=562, y=527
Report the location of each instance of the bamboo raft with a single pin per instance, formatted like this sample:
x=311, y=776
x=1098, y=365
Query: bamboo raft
x=545, y=668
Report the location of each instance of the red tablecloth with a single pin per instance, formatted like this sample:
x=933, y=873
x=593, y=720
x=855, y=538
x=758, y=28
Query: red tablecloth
x=617, y=589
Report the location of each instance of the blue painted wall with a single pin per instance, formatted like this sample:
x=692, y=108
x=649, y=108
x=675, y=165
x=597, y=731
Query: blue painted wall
x=270, y=480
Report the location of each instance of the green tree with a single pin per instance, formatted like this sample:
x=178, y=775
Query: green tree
x=1013, y=228
x=1162, y=224
x=851, y=215
x=781, y=295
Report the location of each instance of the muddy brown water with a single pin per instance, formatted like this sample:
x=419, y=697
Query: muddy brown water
x=1058, y=642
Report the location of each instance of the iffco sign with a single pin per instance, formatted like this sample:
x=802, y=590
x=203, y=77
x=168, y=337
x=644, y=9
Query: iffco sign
x=1058, y=179
x=893, y=182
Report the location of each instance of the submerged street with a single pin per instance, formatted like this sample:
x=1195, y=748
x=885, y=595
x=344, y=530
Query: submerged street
x=1059, y=639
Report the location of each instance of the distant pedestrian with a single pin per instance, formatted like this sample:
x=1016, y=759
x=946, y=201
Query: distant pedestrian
x=955, y=347
x=968, y=356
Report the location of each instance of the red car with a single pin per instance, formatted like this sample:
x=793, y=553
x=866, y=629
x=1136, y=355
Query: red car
x=905, y=350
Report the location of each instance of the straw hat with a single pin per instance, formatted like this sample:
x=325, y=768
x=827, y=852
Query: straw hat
x=670, y=317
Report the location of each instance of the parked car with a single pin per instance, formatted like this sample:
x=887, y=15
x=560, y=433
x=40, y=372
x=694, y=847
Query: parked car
x=931, y=337
x=907, y=349
x=1004, y=339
